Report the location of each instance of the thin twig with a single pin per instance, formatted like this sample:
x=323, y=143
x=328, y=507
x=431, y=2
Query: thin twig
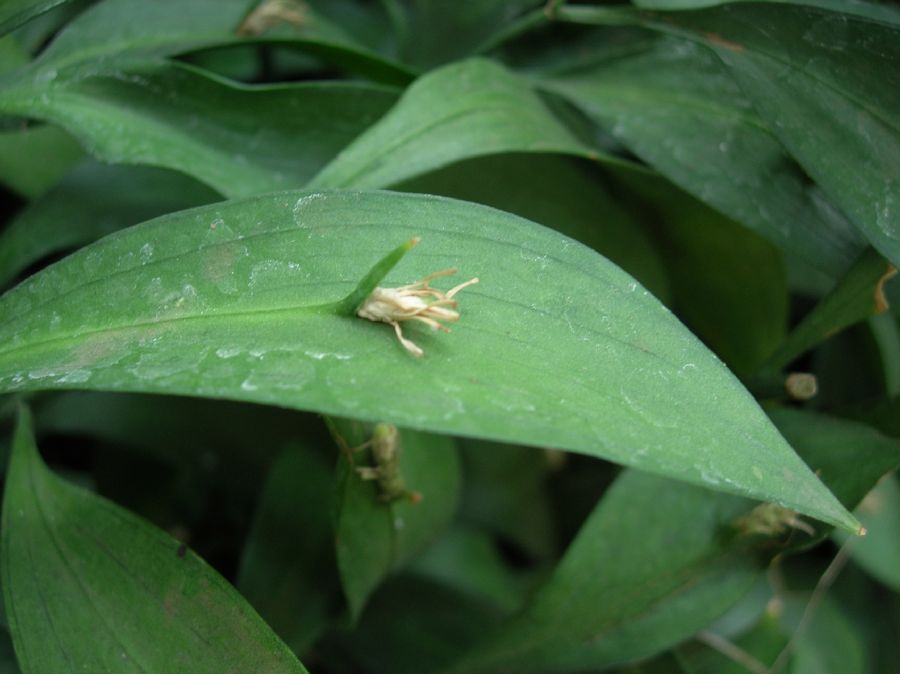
x=732, y=651
x=825, y=582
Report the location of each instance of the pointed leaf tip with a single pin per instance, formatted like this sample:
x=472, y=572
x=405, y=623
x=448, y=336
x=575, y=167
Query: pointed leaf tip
x=351, y=303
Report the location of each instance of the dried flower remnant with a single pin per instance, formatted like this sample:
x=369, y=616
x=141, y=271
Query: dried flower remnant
x=770, y=519
x=415, y=302
x=270, y=13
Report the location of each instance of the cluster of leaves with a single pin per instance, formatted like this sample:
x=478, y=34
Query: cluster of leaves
x=206, y=190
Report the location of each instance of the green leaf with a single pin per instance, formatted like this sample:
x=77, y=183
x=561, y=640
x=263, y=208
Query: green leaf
x=878, y=552
x=8, y=663
x=457, y=112
x=12, y=54
x=87, y=582
x=728, y=284
x=455, y=30
x=679, y=110
x=871, y=10
x=113, y=33
x=829, y=87
x=414, y=625
x=858, y=295
x=238, y=139
x=186, y=433
x=376, y=537
x=505, y=492
x=467, y=559
x=849, y=456
x=556, y=346
x=14, y=13
x=566, y=194
x=625, y=589
x=116, y=28
x=886, y=333
x=92, y=201
x=830, y=642
x=287, y=569
x=32, y=161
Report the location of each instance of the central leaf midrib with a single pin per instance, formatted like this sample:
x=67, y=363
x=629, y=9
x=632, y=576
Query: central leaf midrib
x=328, y=307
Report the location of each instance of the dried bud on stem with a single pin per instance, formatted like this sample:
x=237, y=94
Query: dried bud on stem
x=415, y=302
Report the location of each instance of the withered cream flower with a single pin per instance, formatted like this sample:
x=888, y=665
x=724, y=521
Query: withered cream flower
x=270, y=13
x=415, y=302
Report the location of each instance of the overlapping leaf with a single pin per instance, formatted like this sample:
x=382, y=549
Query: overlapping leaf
x=93, y=200
x=287, y=569
x=375, y=537
x=829, y=87
x=625, y=589
x=467, y=109
x=16, y=12
x=556, y=346
x=238, y=139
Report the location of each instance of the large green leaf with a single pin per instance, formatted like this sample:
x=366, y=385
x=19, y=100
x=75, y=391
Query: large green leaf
x=93, y=200
x=463, y=110
x=375, y=537
x=89, y=583
x=650, y=567
x=239, y=139
x=556, y=347
x=829, y=86
x=677, y=108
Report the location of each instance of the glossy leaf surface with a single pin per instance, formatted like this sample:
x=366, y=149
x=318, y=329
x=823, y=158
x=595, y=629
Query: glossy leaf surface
x=829, y=87
x=239, y=300
x=86, y=582
x=675, y=106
